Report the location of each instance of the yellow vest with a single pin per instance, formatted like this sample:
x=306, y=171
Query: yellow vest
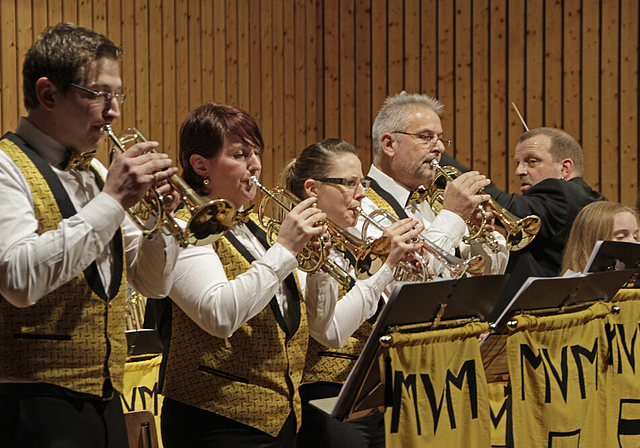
x=251, y=377
x=71, y=337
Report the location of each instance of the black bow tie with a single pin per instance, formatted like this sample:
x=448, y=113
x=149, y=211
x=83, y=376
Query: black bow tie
x=418, y=196
x=76, y=161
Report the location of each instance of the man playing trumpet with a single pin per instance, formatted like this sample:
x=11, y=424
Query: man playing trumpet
x=407, y=137
x=67, y=249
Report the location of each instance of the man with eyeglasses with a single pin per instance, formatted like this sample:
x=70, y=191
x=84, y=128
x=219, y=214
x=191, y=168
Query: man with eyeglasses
x=407, y=137
x=67, y=250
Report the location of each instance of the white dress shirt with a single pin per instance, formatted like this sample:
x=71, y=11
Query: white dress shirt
x=33, y=265
x=444, y=230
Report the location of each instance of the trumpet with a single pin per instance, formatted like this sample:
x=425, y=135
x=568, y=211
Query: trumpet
x=209, y=218
x=520, y=231
x=369, y=256
x=457, y=266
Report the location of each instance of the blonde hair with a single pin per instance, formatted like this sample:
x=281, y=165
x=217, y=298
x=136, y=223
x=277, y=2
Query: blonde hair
x=593, y=223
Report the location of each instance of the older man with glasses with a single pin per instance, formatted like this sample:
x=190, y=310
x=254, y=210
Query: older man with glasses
x=407, y=137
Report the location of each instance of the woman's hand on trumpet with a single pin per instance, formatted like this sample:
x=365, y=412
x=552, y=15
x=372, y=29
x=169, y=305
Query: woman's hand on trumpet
x=134, y=171
x=300, y=226
x=402, y=234
x=461, y=195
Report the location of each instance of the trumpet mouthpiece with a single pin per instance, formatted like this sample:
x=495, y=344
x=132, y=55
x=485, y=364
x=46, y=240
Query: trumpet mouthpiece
x=435, y=164
x=253, y=180
x=106, y=129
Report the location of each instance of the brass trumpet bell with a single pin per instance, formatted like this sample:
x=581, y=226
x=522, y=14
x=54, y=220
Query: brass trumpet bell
x=209, y=218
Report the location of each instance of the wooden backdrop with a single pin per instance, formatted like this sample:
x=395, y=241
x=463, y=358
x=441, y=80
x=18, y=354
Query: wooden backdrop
x=310, y=69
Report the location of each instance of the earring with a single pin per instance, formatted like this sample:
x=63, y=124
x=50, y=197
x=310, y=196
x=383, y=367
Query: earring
x=205, y=181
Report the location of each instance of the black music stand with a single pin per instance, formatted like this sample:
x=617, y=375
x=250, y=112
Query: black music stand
x=613, y=255
x=432, y=304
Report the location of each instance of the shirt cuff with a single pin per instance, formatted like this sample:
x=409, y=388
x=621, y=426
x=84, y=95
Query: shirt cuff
x=104, y=214
x=281, y=261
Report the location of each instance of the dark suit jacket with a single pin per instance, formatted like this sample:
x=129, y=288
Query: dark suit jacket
x=556, y=202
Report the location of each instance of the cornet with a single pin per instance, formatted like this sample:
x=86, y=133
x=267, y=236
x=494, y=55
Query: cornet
x=457, y=266
x=369, y=256
x=520, y=231
x=209, y=218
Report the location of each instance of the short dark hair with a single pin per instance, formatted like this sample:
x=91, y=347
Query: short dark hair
x=204, y=132
x=563, y=146
x=315, y=161
x=60, y=53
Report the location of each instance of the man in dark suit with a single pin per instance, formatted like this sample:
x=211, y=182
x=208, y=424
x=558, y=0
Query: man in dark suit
x=550, y=166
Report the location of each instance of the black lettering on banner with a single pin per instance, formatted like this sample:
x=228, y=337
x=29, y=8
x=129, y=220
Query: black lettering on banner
x=467, y=370
x=409, y=383
x=629, y=422
x=561, y=380
x=616, y=332
x=495, y=419
x=564, y=438
x=592, y=357
x=534, y=361
x=142, y=391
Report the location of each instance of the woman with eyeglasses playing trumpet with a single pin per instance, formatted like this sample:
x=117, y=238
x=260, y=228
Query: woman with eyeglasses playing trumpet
x=239, y=328
x=331, y=172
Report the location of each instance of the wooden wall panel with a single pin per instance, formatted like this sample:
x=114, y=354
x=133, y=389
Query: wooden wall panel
x=309, y=69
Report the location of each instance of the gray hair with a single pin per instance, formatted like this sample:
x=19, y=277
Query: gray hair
x=563, y=146
x=392, y=116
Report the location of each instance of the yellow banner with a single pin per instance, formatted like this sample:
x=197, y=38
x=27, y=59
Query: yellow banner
x=498, y=412
x=556, y=369
x=622, y=376
x=436, y=390
x=141, y=388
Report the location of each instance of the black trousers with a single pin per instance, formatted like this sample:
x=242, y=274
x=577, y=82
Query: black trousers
x=185, y=426
x=319, y=429
x=43, y=415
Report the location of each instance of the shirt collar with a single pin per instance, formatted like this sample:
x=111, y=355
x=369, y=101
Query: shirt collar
x=399, y=191
x=52, y=151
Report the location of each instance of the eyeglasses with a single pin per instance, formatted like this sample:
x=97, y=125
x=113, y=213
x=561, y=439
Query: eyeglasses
x=104, y=97
x=351, y=183
x=429, y=139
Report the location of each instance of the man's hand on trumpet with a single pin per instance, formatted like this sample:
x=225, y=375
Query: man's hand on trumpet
x=134, y=171
x=489, y=217
x=461, y=195
x=299, y=226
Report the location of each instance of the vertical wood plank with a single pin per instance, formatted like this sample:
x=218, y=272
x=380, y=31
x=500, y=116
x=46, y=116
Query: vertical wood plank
x=24, y=39
x=266, y=106
x=535, y=63
x=517, y=89
x=182, y=59
x=629, y=103
x=194, y=43
x=311, y=71
x=429, y=48
x=553, y=63
x=277, y=152
x=571, y=71
x=363, y=83
x=498, y=94
x=411, y=46
x=142, y=65
x=243, y=55
x=463, y=42
x=207, y=51
x=220, y=45
x=395, y=47
x=255, y=61
x=479, y=83
x=347, y=69
x=300, y=88
x=289, y=73
x=446, y=71
x=331, y=69
x=156, y=104
x=170, y=118
x=610, y=143
x=70, y=11
x=231, y=44
x=591, y=91
x=128, y=66
x=54, y=13
x=9, y=69
x=379, y=56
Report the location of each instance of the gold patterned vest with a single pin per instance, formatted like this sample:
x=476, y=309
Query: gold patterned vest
x=326, y=364
x=71, y=337
x=251, y=377
x=380, y=202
